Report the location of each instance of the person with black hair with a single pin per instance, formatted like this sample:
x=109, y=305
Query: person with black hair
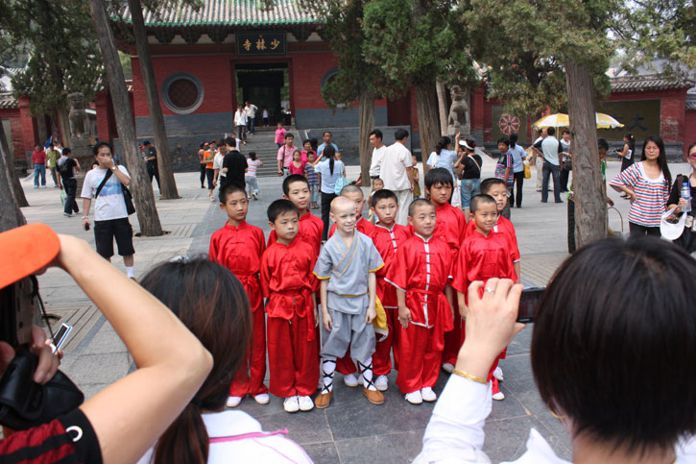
x=566, y=159
x=202, y=162
x=396, y=172
x=105, y=185
x=446, y=157
x=234, y=164
x=679, y=205
x=627, y=151
x=470, y=164
x=612, y=353
x=518, y=157
x=549, y=148
x=647, y=184
x=66, y=166
x=289, y=286
x=284, y=156
x=378, y=149
x=327, y=140
x=330, y=168
x=150, y=157
x=198, y=292
x=504, y=165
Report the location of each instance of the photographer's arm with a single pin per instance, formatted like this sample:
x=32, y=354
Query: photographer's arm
x=131, y=414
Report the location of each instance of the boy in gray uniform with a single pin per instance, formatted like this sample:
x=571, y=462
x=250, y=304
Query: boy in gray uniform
x=346, y=268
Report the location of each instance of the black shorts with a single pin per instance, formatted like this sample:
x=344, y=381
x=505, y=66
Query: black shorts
x=106, y=231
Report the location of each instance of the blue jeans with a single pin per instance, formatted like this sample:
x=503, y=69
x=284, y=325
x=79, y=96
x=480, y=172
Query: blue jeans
x=251, y=125
x=39, y=170
x=469, y=188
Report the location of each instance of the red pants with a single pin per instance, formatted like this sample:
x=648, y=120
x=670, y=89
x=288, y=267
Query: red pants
x=420, y=355
x=293, y=359
x=249, y=378
x=381, y=360
x=453, y=340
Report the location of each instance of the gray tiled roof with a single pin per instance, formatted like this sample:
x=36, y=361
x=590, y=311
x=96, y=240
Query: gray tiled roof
x=648, y=82
x=246, y=13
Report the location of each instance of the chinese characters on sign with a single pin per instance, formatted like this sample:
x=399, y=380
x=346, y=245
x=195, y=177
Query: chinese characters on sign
x=261, y=43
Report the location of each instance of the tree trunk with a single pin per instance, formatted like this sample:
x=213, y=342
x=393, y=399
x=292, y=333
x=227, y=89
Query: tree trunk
x=428, y=127
x=442, y=106
x=168, y=190
x=13, y=178
x=140, y=186
x=367, y=122
x=589, y=194
x=64, y=125
x=10, y=214
x=41, y=128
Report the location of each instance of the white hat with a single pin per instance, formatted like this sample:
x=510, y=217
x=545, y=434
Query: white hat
x=462, y=143
x=669, y=230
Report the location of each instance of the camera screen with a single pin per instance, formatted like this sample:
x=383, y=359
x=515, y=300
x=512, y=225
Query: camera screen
x=529, y=303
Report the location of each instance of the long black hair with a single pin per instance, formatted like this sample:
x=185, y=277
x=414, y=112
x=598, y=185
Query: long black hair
x=213, y=305
x=662, y=159
x=442, y=143
x=330, y=152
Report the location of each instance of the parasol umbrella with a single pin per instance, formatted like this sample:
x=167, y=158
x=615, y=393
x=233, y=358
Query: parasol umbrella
x=603, y=121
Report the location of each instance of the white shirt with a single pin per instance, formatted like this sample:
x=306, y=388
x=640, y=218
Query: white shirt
x=252, y=166
x=377, y=156
x=110, y=203
x=258, y=447
x=433, y=159
x=217, y=161
x=251, y=111
x=265, y=113
x=549, y=147
x=393, y=169
x=240, y=118
x=455, y=432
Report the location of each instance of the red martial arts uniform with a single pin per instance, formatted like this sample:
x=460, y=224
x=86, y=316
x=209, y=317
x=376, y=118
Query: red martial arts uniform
x=239, y=249
x=387, y=243
x=481, y=258
x=505, y=226
x=288, y=283
x=451, y=227
x=422, y=269
x=311, y=228
x=345, y=365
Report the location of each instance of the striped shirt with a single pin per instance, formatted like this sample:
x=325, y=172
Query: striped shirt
x=311, y=174
x=651, y=195
x=252, y=166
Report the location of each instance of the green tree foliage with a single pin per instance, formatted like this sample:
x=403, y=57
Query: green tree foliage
x=58, y=38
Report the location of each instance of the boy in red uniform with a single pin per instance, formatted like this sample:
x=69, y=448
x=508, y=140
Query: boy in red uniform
x=484, y=255
x=238, y=246
x=355, y=194
x=296, y=189
x=288, y=284
x=387, y=236
x=451, y=227
x=421, y=275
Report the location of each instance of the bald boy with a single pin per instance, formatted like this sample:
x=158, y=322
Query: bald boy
x=346, y=268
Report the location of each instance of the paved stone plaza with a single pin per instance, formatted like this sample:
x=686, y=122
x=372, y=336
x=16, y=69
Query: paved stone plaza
x=351, y=430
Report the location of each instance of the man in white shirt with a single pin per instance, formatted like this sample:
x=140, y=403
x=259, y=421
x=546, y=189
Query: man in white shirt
x=110, y=213
x=251, y=110
x=396, y=173
x=550, y=148
x=378, y=149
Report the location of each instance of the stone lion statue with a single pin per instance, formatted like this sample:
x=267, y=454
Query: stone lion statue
x=458, y=118
x=77, y=114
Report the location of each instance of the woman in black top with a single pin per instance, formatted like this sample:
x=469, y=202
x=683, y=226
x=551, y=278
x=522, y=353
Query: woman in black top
x=469, y=164
x=66, y=168
x=678, y=204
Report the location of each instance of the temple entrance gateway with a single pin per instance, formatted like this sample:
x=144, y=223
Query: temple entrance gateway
x=266, y=85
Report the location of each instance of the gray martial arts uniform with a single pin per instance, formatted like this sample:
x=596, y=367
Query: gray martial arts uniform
x=347, y=270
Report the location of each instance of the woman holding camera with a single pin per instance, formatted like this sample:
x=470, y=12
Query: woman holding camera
x=119, y=423
x=613, y=356
x=677, y=204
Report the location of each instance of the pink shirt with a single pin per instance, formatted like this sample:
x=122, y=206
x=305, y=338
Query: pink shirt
x=285, y=155
x=280, y=135
x=297, y=169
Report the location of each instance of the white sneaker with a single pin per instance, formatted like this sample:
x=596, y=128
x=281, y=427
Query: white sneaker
x=428, y=394
x=414, y=397
x=382, y=383
x=448, y=367
x=233, y=401
x=500, y=396
x=498, y=374
x=262, y=398
x=350, y=380
x=291, y=404
x=306, y=403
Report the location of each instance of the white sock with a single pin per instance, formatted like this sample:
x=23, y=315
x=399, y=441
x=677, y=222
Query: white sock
x=130, y=271
x=328, y=368
x=366, y=372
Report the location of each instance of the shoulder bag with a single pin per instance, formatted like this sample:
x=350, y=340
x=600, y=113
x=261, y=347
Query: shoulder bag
x=127, y=197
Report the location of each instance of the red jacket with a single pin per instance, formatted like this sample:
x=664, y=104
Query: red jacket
x=38, y=157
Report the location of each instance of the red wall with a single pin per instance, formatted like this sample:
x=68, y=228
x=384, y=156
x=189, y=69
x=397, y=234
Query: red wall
x=672, y=110
x=17, y=143
x=689, y=129
x=307, y=72
x=213, y=72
